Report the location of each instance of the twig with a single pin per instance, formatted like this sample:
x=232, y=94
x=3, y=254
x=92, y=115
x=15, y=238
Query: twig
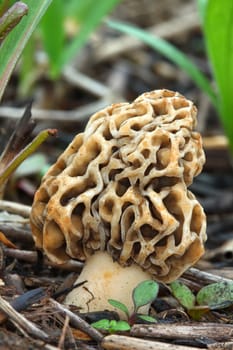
x=21, y=322
x=78, y=322
x=215, y=331
x=23, y=301
x=80, y=114
x=223, y=272
x=165, y=30
x=213, y=142
x=31, y=256
x=91, y=85
x=203, y=277
x=221, y=346
x=15, y=208
x=63, y=333
x=120, y=342
x=16, y=232
x=70, y=265
x=25, y=255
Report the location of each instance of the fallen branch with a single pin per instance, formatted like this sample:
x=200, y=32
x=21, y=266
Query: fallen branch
x=21, y=322
x=15, y=208
x=221, y=346
x=80, y=114
x=202, y=277
x=78, y=322
x=215, y=331
x=31, y=257
x=74, y=77
x=120, y=342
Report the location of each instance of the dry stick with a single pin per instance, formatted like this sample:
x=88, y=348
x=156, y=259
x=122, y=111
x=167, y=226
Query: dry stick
x=63, y=333
x=91, y=85
x=25, y=255
x=78, y=322
x=120, y=342
x=223, y=272
x=80, y=114
x=213, y=142
x=70, y=265
x=214, y=331
x=31, y=256
x=221, y=346
x=15, y=208
x=203, y=277
x=17, y=232
x=21, y=322
x=165, y=30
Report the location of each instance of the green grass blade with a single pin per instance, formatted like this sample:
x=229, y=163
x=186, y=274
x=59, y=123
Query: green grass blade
x=218, y=28
x=53, y=34
x=171, y=53
x=202, y=6
x=94, y=14
x=15, y=42
x=79, y=9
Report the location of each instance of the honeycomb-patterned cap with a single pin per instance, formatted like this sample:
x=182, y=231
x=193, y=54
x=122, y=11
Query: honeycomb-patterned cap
x=121, y=186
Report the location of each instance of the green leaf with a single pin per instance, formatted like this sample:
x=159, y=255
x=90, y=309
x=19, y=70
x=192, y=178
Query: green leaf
x=218, y=31
x=102, y=324
x=16, y=40
x=91, y=17
x=53, y=34
x=116, y=326
x=183, y=294
x=172, y=53
x=111, y=325
x=117, y=304
x=216, y=295
x=145, y=293
x=147, y=318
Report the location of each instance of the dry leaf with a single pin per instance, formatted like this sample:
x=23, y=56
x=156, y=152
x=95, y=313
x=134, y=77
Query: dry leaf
x=6, y=241
x=79, y=335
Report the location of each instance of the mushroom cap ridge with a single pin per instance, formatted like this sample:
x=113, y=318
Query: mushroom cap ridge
x=121, y=186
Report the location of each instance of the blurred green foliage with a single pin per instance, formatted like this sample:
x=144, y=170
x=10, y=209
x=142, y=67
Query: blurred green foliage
x=64, y=29
x=216, y=18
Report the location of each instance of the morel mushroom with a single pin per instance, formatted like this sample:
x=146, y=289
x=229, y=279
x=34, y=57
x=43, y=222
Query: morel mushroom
x=120, y=189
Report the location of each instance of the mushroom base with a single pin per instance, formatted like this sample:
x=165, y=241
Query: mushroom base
x=106, y=280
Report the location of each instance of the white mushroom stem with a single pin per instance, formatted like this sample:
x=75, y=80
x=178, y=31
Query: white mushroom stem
x=106, y=280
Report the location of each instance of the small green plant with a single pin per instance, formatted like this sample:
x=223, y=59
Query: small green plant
x=112, y=326
x=218, y=34
x=143, y=294
x=211, y=297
